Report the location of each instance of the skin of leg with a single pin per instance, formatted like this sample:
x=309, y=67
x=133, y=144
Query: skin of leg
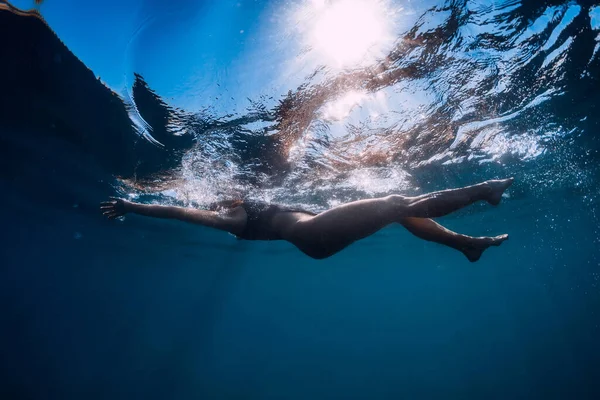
x=471, y=247
x=444, y=202
x=325, y=234
x=428, y=229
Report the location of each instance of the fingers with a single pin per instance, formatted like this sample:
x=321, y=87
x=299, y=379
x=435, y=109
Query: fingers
x=108, y=205
x=109, y=208
x=113, y=200
x=112, y=214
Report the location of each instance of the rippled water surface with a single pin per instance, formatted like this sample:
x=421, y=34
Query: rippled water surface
x=342, y=99
x=479, y=85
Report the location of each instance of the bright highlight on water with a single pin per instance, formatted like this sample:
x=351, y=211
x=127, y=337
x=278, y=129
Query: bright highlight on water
x=347, y=33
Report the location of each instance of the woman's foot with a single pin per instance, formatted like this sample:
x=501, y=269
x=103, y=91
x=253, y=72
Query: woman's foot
x=497, y=188
x=478, y=245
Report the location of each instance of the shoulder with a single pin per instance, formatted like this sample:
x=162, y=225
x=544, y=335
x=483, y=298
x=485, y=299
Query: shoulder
x=238, y=212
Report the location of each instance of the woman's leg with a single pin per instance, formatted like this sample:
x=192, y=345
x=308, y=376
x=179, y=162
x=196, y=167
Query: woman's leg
x=329, y=232
x=438, y=204
x=471, y=247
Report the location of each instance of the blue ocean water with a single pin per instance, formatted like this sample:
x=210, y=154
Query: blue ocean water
x=308, y=103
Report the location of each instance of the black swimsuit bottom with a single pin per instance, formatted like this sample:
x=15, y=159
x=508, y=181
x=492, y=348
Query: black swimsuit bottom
x=259, y=224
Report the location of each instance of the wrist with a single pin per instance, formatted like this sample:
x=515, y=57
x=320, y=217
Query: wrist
x=128, y=206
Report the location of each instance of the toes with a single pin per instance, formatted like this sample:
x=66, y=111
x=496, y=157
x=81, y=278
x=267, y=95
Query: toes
x=499, y=239
x=507, y=183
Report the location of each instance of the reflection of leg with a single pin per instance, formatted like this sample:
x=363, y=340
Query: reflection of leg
x=438, y=204
x=471, y=247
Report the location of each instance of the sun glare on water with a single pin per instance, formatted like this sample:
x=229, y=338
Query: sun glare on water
x=346, y=33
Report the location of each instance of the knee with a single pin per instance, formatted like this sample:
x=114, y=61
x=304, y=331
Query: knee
x=398, y=201
x=401, y=206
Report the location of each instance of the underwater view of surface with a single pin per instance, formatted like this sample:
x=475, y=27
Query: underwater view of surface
x=308, y=104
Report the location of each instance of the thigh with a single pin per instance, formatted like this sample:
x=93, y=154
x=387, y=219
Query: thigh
x=290, y=225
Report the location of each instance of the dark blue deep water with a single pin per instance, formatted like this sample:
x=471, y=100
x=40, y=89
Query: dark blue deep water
x=458, y=92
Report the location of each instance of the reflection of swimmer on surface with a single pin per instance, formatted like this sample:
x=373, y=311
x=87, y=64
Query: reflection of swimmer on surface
x=322, y=235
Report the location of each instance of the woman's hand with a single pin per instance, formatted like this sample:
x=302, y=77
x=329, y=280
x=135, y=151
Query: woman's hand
x=114, y=208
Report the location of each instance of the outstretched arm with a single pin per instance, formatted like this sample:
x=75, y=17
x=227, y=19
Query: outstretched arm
x=233, y=222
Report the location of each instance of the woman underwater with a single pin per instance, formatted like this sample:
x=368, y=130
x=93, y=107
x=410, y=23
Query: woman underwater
x=323, y=235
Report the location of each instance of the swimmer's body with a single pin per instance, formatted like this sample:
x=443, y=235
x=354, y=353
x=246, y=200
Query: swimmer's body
x=323, y=235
